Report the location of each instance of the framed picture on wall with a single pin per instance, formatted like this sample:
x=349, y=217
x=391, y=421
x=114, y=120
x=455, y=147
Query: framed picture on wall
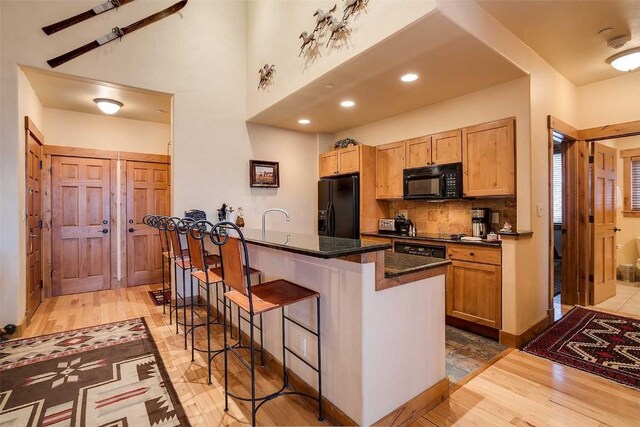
x=264, y=174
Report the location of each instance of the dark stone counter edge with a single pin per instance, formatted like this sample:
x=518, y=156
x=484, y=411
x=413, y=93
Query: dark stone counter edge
x=322, y=254
x=492, y=244
x=425, y=267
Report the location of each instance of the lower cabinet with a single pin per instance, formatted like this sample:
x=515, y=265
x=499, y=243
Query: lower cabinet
x=474, y=293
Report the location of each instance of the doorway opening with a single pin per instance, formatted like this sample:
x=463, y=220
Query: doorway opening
x=102, y=173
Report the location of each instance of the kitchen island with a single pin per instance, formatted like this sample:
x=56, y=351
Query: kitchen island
x=383, y=343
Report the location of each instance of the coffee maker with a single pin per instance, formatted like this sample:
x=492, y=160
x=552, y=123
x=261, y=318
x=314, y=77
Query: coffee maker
x=480, y=222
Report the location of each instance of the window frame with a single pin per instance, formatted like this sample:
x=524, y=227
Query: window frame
x=628, y=156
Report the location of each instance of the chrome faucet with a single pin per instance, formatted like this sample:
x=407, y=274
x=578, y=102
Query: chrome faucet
x=264, y=217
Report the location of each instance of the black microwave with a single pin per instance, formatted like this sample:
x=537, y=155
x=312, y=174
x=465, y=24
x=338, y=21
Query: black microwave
x=434, y=182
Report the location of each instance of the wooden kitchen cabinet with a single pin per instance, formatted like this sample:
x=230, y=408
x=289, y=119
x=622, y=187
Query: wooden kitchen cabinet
x=341, y=161
x=417, y=152
x=474, y=284
x=474, y=293
x=446, y=147
x=489, y=159
x=349, y=160
x=389, y=169
x=329, y=163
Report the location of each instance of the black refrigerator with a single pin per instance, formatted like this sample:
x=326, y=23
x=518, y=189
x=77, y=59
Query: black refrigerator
x=339, y=207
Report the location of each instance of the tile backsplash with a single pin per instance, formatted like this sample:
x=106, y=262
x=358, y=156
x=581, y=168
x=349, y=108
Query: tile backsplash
x=453, y=217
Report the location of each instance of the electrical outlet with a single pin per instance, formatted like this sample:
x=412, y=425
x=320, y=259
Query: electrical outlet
x=495, y=217
x=302, y=345
x=539, y=209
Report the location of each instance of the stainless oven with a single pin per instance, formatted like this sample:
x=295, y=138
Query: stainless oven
x=434, y=182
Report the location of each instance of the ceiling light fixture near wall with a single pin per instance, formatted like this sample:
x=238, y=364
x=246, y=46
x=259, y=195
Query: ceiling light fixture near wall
x=347, y=103
x=628, y=60
x=409, y=77
x=304, y=121
x=108, y=106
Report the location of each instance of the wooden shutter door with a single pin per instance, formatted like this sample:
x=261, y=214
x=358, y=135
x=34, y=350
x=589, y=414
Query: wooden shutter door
x=81, y=248
x=604, y=222
x=34, y=224
x=147, y=193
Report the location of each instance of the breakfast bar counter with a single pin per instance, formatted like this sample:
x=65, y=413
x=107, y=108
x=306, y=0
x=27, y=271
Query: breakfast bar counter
x=383, y=342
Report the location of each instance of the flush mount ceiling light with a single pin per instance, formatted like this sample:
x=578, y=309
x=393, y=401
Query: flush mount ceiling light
x=409, y=77
x=347, y=103
x=628, y=60
x=304, y=121
x=108, y=106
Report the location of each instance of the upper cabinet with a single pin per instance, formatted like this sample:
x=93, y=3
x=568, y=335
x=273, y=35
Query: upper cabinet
x=446, y=147
x=431, y=150
x=417, y=152
x=390, y=160
x=340, y=161
x=488, y=159
x=329, y=163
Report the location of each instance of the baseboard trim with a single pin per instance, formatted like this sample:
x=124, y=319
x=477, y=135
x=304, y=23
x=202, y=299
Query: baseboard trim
x=415, y=408
x=519, y=341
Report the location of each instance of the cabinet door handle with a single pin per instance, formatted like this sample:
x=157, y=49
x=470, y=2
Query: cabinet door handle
x=471, y=253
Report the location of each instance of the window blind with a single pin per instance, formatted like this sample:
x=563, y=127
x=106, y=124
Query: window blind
x=635, y=185
x=557, y=188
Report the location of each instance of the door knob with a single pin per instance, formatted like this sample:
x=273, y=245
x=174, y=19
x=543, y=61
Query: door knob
x=104, y=230
x=615, y=229
x=131, y=230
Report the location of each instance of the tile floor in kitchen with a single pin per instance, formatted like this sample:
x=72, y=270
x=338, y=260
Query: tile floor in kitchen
x=467, y=352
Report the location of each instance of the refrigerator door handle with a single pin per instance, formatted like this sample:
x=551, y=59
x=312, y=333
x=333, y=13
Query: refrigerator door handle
x=331, y=220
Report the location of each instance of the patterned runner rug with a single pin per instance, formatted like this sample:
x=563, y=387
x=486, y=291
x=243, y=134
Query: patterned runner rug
x=158, y=297
x=600, y=343
x=107, y=375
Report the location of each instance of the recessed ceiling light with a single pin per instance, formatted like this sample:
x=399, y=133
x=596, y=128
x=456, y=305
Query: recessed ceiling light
x=304, y=121
x=409, y=77
x=628, y=60
x=108, y=106
x=347, y=103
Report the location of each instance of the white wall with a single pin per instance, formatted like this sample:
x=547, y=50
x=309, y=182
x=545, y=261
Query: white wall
x=610, y=101
x=498, y=102
x=74, y=129
x=199, y=56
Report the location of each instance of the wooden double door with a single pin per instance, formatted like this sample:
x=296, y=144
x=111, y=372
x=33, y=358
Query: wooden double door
x=89, y=252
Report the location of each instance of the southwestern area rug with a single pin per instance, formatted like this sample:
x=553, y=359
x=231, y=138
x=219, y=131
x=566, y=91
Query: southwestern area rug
x=600, y=343
x=107, y=375
x=160, y=297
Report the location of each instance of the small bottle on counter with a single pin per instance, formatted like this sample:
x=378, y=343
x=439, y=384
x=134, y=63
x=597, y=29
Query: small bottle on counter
x=240, y=218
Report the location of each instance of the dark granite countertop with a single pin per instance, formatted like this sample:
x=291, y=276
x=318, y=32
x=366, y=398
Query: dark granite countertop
x=396, y=264
x=312, y=245
x=434, y=237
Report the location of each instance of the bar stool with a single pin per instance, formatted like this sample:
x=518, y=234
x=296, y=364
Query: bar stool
x=256, y=300
x=177, y=227
x=159, y=222
x=207, y=280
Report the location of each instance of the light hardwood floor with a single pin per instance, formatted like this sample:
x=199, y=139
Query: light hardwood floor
x=203, y=404
x=518, y=389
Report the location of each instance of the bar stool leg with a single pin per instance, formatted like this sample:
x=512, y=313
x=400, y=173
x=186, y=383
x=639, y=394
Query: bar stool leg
x=239, y=329
x=261, y=343
x=164, y=303
x=175, y=285
x=253, y=373
x=193, y=329
x=209, y=334
x=224, y=350
x=184, y=305
x=285, y=381
x=320, y=408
